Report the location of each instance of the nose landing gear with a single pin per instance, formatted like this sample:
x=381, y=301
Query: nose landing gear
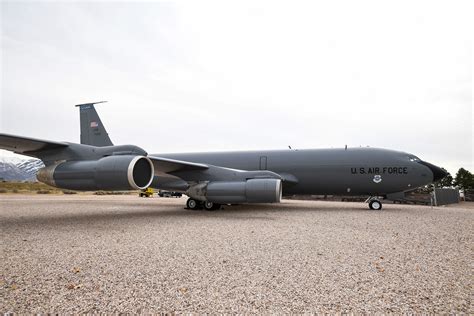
x=374, y=203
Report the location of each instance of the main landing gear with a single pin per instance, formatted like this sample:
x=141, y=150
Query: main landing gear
x=374, y=203
x=193, y=204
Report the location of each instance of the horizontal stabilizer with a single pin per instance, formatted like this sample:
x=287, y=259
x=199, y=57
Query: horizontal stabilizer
x=26, y=145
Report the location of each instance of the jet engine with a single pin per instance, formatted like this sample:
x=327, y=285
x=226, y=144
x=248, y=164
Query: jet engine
x=250, y=191
x=108, y=173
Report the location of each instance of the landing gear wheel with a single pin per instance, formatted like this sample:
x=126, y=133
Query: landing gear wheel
x=375, y=205
x=210, y=206
x=192, y=204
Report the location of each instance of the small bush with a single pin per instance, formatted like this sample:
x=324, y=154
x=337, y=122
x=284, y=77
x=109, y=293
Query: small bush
x=3, y=190
x=69, y=192
x=43, y=192
x=15, y=191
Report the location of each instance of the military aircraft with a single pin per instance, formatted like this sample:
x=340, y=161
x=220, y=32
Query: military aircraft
x=215, y=178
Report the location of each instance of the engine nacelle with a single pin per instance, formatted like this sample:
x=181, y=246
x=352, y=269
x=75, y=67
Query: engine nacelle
x=250, y=191
x=108, y=173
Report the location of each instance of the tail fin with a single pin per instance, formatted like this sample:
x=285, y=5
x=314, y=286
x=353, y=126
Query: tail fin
x=92, y=130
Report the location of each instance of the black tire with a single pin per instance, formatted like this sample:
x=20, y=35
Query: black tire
x=375, y=205
x=192, y=204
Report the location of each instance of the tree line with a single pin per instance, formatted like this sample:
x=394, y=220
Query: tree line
x=463, y=179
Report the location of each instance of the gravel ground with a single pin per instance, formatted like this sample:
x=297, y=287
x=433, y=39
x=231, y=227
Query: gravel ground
x=125, y=254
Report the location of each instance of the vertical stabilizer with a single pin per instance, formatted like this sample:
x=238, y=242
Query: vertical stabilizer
x=92, y=130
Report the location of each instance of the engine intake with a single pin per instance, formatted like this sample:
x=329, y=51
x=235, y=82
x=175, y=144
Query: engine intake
x=108, y=173
x=250, y=191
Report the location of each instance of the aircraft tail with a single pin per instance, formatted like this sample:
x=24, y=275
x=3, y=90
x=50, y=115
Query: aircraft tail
x=92, y=130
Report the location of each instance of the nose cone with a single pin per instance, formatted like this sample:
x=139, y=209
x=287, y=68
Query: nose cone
x=438, y=173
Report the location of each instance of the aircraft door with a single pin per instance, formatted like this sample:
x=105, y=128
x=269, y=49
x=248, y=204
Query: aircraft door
x=263, y=163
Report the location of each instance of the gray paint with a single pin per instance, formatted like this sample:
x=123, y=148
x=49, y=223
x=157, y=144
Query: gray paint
x=327, y=171
x=116, y=172
x=250, y=191
x=445, y=196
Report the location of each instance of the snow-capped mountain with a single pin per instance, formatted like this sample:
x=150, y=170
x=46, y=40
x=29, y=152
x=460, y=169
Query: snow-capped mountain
x=17, y=169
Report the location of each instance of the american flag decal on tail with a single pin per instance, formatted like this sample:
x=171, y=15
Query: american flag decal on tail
x=94, y=124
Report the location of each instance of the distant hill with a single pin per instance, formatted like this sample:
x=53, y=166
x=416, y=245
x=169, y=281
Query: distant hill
x=16, y=169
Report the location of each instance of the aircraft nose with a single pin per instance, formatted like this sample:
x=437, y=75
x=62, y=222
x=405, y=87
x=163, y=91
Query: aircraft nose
x=438, y=173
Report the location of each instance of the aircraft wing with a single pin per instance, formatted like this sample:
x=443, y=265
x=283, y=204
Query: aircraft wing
x=166, y=165
x=195, y=172
x=25, y=145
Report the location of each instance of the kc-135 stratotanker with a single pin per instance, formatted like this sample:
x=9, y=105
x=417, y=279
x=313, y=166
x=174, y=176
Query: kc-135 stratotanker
x=215, y=178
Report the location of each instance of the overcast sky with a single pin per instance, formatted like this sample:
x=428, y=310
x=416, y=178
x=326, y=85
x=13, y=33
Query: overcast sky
x=212, y=76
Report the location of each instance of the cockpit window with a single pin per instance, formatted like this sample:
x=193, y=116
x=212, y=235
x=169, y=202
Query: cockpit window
x=414, y=158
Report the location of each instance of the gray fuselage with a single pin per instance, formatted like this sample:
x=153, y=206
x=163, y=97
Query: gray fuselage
x=351, y=171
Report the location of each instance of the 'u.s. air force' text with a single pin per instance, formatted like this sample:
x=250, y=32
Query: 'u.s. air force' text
x=380, y=170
